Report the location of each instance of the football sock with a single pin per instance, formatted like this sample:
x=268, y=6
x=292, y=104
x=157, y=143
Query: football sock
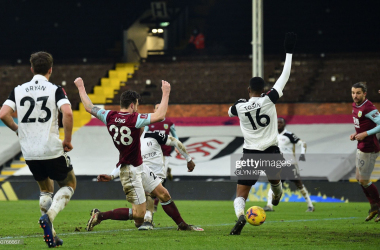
x=276, y=188
x=61, y=198
x=305, y=194
x=46, y=199
x=374, y=193
x=269, y=203
x=239, y=205
x=171, y=209
x=116, y=214
x=371, y=201
x=149, y=209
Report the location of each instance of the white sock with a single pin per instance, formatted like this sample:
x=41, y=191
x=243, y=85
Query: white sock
x=305, y=194
x=239, y=205
x=61, y=198
x=269, y=203
x=148, y=216
x=45, y=203
x=276, y=188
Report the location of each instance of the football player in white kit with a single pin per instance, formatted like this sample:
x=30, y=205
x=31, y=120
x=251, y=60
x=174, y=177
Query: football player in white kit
x=287, y=142
x=258, y=123
x=37, y=104
x=152, y=156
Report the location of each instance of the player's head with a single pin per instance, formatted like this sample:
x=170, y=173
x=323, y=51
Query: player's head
x=129, y=99
x=156, y=105
x=256, y=85
x=281, y=123
x=42, y=63
x=359, y=92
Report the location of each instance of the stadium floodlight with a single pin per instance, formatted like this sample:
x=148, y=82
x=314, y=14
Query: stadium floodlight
x=154, y=31
x=164, y=24
x=160, y=31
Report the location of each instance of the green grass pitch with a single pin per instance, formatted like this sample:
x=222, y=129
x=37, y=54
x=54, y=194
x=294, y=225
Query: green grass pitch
x=331, y=226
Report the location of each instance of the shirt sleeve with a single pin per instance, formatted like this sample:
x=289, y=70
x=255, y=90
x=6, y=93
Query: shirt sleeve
x=102, y=115
x=375, y=117
x=303, y=146
x=11, y=101
x=161, y=138
x=173, y=131
x=232, y=111
x=146, y=128
x=142, y=120
x=61, y=98
x=284, y=77
x=273, y=95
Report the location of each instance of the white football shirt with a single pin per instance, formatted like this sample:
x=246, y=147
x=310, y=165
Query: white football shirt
x=151, y=152
x=37, y=103
x=286, y=142
x=258, y=115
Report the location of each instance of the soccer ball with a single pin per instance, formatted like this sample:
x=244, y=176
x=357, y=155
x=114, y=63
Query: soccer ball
x=255, y=216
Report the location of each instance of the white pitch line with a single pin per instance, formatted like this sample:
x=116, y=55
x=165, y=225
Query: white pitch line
x=163, y=228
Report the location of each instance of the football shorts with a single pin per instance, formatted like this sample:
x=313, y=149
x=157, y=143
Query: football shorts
x=365, y=162
x=136, y=181
x=56, y=169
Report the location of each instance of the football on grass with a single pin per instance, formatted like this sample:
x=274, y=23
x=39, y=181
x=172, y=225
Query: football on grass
x=255, y=215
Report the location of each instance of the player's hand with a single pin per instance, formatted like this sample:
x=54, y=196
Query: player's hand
x=190, y=166
x=361, y=136
x=177, y=151
x=79, y=82
x=290, y=42
x=352, y=137
x=67, y=147
x=165, y=87
x=104, y=178
x=302, y=157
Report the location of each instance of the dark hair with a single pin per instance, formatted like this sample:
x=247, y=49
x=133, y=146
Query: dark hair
x=282, y=119
x=256, y=84
x=128, y=97
x=361, y=85
x=41, y=62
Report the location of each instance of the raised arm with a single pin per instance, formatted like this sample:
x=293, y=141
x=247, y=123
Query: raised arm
x=90, y=108
x=160, y=114
x=67, y=121
x=171, y=141
x=290, y=42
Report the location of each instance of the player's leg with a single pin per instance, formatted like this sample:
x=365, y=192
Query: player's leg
x=242, y=190
x=130, y=178
x=148, y=218
x=276, y=187
x=296, y=179
x=365, y=163
x=269, y=206
x=152, y=184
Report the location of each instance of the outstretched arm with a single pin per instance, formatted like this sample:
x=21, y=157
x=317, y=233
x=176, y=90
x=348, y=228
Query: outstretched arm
x=290, y=42
x=160, y=114
x=302, y=144
x=171, y=141
x=90, y=108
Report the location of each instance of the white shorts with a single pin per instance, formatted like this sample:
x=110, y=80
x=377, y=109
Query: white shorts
x=166, y=164
x=365, y=162
x=136, y=181
x=158, y=169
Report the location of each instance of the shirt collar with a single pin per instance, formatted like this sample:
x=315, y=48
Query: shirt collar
x=283, y=132
x=39, y=77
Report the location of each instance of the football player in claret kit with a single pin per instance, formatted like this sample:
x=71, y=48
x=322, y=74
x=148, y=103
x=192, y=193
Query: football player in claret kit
x=287, y=142
x=167, y=127
x=151, y=153
x=366, y=121
x=136, y=178
x=37, y=104
x=258, y=123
